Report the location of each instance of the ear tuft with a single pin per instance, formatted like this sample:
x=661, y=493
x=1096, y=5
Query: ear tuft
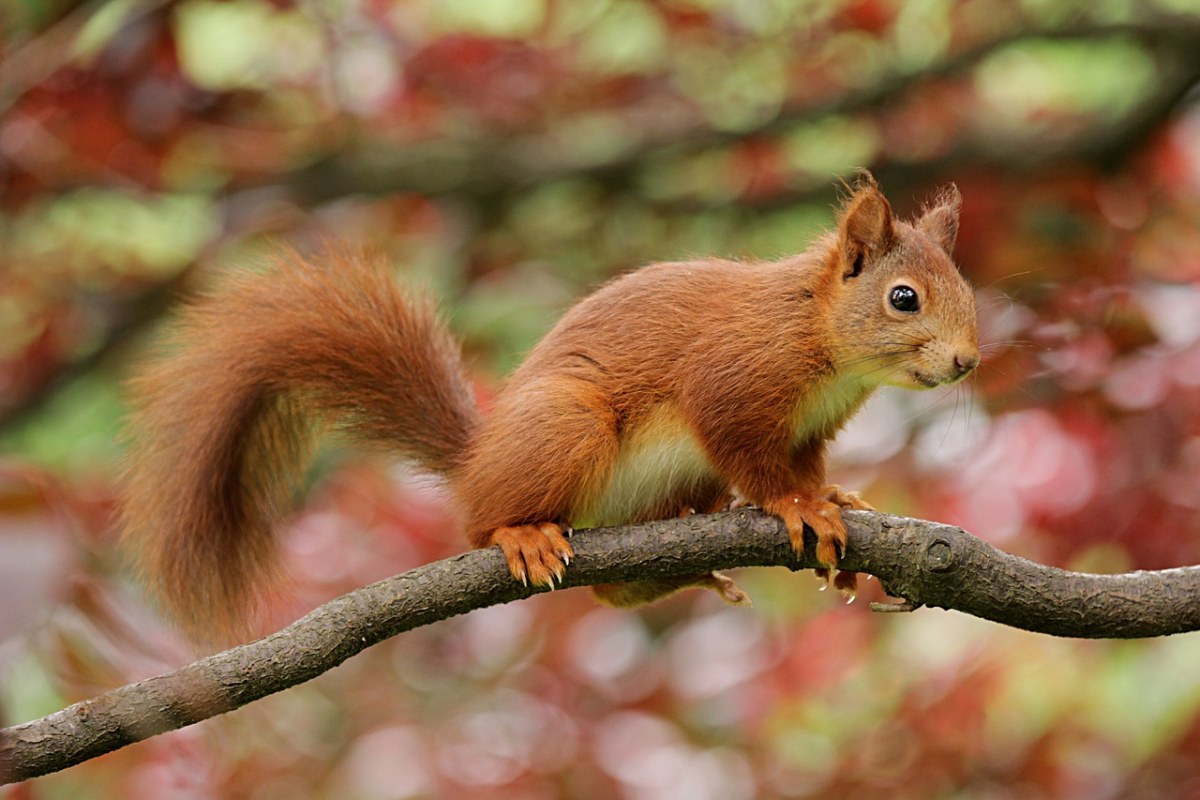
x=940, y=220
x=865, y=226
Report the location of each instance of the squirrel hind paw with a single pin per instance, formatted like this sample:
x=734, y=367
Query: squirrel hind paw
x=726, y=589
x=537, y=554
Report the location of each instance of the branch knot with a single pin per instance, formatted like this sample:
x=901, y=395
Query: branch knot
x=939, y=556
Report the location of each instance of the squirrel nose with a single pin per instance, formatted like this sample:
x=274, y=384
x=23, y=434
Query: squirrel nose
x=965, y=362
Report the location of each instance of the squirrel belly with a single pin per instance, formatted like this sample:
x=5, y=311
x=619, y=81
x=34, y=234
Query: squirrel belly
x=660, y=469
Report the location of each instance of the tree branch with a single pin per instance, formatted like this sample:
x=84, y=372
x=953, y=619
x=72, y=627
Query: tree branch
x=487, y=168
x=50, y=40
x=123, y=322
x=925, y=562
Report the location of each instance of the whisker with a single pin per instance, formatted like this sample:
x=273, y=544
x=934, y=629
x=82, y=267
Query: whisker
x=937, y=401
x=891, y=356
x=1009, y=277
x=1006, y=343
x=953, y=416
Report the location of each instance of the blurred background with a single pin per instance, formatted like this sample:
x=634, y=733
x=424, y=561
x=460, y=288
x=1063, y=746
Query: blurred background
x=512, y=154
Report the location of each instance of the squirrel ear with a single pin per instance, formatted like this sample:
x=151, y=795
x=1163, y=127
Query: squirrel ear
x=865, y=227
x=940, y=220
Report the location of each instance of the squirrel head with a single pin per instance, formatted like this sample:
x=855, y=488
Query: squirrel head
x=902, y=314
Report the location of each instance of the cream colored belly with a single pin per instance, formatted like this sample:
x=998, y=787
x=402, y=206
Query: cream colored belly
x=661, y=465
x=659, y=461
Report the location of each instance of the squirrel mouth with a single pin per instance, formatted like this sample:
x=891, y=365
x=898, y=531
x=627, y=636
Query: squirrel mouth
x=925, y=380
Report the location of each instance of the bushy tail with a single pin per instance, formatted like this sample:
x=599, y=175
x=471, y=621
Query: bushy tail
x=224, y=419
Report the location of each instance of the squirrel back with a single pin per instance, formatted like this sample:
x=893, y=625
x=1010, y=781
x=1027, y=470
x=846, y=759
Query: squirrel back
x=224, y=419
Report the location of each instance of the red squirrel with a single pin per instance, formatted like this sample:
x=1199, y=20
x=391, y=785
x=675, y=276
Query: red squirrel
x=670, y=388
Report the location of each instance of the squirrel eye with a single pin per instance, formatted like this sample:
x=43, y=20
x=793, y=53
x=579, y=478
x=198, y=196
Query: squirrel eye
x=904, y=298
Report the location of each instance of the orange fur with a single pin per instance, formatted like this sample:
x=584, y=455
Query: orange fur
x=668, y=388
x=224, y=419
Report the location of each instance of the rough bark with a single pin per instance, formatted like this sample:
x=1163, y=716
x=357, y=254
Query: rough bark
x=924, y=562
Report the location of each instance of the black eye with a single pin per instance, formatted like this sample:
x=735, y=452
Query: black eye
x=904, y=298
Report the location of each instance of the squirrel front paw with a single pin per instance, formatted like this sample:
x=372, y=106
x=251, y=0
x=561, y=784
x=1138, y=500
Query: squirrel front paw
x=845, y=581
x=819, y=513
x=822, y=512
x=537, y=554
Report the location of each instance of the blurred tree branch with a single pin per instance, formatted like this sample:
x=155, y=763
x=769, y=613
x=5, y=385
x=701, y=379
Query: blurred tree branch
x=123, y=324
x=487, y=169
x=48, y=40
x=924, y=562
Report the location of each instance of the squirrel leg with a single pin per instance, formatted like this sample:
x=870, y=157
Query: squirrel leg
x=825, y=518
x=640, y=593
x=785, y=479
x=818, y=506
x=519, y=498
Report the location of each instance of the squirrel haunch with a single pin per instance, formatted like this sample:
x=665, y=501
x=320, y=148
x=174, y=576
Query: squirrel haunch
x=668, y=389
